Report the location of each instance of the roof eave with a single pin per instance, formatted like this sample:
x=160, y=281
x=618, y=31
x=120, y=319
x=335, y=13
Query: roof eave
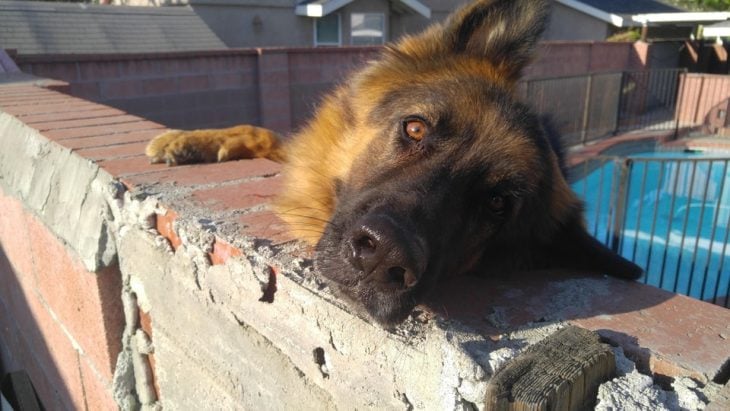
x=417, y=6
x=324, y=7
x=320, y=8
x=681, y=17
x=610, y=18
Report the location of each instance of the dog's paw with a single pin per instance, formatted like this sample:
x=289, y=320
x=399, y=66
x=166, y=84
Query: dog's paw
x=182, y=147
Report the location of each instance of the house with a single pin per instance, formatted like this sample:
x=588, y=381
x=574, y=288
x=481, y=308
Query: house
x=241, y=23
x=599, y=19
x=72, y=28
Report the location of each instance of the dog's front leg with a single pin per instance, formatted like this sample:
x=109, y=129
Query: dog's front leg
x=215, y=145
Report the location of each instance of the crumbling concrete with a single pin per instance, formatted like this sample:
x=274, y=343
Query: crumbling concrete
x=67, y=192
x=631, y=390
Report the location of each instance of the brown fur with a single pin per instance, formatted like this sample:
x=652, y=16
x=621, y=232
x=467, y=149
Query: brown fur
x=390, y=215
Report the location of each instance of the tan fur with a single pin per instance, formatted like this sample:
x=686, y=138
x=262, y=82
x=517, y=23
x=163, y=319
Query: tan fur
x=213, y=145
x=327, y=149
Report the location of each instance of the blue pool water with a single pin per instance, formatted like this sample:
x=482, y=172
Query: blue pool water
x=675, y=224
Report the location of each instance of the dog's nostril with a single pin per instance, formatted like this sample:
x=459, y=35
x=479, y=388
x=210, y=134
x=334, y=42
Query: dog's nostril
x=401, y=276
x=365, y=244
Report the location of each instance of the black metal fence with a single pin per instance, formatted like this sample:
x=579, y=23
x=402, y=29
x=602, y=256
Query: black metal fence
x=591, y=107
x=669, y=215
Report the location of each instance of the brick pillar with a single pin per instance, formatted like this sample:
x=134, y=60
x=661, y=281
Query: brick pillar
x=274, y=98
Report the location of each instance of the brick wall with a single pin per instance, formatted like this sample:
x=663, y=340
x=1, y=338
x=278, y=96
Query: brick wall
x=135, y=284
x=276, y=88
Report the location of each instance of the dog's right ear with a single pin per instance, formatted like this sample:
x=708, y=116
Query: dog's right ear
x=501, y=32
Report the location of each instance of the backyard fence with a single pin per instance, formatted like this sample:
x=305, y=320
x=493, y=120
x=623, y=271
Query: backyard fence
x=670, y=215
x=591, y=107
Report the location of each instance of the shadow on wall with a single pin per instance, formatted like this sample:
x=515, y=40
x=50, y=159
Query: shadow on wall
x=26, y=345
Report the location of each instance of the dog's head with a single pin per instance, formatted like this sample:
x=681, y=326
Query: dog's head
x=438, y=170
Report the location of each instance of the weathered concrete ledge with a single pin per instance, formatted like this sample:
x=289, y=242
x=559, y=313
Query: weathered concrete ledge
x=223, y=310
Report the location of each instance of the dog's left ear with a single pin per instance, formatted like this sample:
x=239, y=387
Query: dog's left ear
x=503, y=32
x=573, y=247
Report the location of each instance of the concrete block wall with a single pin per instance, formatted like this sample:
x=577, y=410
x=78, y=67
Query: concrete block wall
x=133, y=285
x=180, y=90
x=276, y=87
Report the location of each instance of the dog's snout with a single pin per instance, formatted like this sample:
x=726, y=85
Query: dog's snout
x=386, y=252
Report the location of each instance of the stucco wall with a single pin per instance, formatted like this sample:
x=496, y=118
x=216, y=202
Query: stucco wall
x=569, y=24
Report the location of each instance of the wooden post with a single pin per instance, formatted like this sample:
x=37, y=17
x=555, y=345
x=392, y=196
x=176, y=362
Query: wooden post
x=562, y=372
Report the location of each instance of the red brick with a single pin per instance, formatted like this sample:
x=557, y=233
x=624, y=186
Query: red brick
x=51, y=98
x=85, y=122
x=159, y=86
x=14, y=240
x=130, y=166
x=165, y=226
x=88, y=304
x=208, y=173
x=113, y=152
x=50, y=358
x=97, y=389
x=97, y=111
x=145, y=323
x=40, y=107
x=25, y=94
x=189, y=84
x=110, y=139
x=222, y=251
x=673, y=333
x=240, y=196
x=265, y=225
x=60, y=134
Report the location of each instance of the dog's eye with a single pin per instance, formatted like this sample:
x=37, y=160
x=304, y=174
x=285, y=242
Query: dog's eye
x=415, y=129
x=497, y=204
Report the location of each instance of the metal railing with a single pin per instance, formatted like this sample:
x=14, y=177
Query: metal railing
x=669, y=215
x=592, y=107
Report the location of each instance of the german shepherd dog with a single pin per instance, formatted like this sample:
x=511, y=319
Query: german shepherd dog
x=423, y=165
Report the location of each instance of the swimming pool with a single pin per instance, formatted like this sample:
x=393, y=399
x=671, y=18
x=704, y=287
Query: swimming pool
x=668, y=212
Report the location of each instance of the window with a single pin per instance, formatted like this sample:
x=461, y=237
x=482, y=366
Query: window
x=327, y=30
x=367, y=29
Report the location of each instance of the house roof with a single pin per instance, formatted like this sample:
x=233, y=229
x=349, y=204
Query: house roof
x=320, y=8
x=73, y=28
x=721, y=29
x=632, y=13
x=631, y=6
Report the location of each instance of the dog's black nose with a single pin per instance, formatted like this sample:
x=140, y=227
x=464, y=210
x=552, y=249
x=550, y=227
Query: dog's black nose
x=386, y=252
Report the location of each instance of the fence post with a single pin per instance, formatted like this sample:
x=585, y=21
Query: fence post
x=681, y=96
x=617, y=122
x=586, y=110
x=622, y=197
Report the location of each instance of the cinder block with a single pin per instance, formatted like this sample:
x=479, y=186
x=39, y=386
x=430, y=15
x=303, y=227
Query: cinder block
x=111, y=89
x=140, y=68
x=97, y=70
x=57, y=70
x=188, y=84
x=157, y=86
